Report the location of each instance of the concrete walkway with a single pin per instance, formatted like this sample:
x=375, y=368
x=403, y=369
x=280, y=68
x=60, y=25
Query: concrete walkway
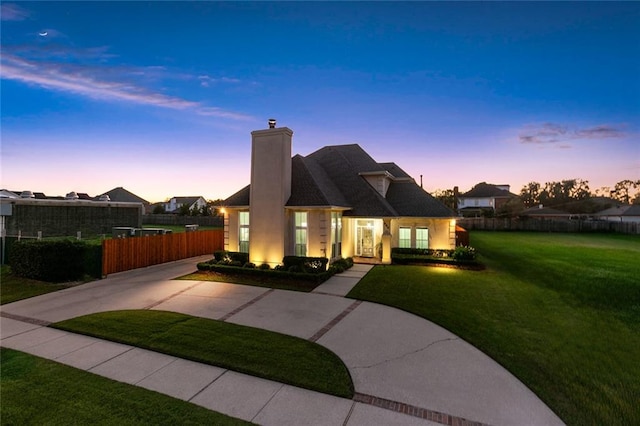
x=405, y=369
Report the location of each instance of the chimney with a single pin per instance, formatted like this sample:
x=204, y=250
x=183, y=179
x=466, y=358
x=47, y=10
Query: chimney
x=270, y=191
x=456, y=193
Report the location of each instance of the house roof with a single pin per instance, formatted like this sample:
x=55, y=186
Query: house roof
x=120, y=194
x=186, y=200
x=632, y=210
x=544, y=211
x=486, y=190
x=333, y=176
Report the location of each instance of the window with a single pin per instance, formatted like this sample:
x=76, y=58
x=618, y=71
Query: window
x=405, y=238
x=301, y=234
x=336, y=234
x=243, y=237
x=422, y=238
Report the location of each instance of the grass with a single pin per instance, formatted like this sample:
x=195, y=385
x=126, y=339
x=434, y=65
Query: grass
x=39, y=391
x=14, y=288
x=249, y=350
x=254, y=280
x=560, y=311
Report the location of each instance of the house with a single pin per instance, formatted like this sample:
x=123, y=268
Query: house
x=542, y=212
x=336, y=202
x=121, y=195
x=483, y=198
x=176, y=203
x=626, y=213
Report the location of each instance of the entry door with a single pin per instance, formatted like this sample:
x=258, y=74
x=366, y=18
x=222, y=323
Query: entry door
x=365, y=237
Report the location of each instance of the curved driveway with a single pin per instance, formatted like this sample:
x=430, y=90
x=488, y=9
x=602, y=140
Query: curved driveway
x=398, y=361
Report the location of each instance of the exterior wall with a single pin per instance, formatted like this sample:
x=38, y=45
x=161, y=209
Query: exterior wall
x=270, y=190
x=231, y=231
x=475, y=202
x=441, y=231
x=57, y=218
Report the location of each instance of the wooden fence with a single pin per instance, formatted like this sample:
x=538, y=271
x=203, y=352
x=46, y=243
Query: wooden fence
x=548, y=225
x=123, y=254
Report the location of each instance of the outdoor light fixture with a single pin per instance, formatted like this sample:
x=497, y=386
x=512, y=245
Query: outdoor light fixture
x=272, y=123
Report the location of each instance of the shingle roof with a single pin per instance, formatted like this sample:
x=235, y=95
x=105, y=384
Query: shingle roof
x=120, y=194
x=331, y=176
x=484, y=190
x=632, y=210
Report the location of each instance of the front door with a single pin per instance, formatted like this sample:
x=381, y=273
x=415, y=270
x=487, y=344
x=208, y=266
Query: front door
x=365, y=236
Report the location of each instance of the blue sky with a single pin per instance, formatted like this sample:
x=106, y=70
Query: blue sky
x=161, y=97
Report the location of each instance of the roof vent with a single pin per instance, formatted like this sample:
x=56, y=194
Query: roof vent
x=272, y=123
x=71, y=196
x=27, y=194
x=104, y=197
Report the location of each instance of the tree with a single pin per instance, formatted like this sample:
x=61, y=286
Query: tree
x=446, y=197
x=624, y=191
x=530, y=194
x=158, y=209
x=184, y=210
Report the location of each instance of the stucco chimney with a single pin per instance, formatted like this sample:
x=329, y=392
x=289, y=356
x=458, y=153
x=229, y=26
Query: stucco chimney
x=270, y=191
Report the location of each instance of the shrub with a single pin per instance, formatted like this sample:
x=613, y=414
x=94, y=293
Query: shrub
x=235, y=263
x=464, y=253
x=264, y=267
x=203, y=266
x=55, y=260
x=310, y=265
x=249, y=265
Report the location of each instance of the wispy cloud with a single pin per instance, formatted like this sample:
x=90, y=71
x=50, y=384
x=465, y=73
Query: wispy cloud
x=207, y=81
x=101, y=82
x=560, y=135
x=13, y=12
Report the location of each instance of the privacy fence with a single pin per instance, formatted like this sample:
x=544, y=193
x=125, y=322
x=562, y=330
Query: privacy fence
x=548, y=225
x=123, y=254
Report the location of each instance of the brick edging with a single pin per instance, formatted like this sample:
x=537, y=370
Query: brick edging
x=412, y=410
x=246, y=305
x=29, y=320
x=334, y=321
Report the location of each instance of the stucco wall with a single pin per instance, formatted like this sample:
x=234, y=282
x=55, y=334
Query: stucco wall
x=441, y=231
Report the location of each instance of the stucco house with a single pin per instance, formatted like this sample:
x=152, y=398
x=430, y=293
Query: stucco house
x=336, y=202
x=484, y=197
x=626, y=213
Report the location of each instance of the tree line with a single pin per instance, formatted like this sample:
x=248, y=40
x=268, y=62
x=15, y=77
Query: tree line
x=560, y=194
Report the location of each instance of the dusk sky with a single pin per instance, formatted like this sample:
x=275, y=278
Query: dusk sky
x=161, y=97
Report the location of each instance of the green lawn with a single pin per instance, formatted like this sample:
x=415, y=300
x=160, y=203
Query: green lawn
x=249, y=350
x=560, y=311
x=37, y=391
x=13, y=288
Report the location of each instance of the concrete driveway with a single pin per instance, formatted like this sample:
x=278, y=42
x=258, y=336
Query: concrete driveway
x=405, y=369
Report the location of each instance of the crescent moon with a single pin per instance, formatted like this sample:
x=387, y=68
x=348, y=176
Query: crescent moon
x=43, y=34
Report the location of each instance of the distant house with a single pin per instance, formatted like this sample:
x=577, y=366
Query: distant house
x=121, y=195
x=541, y=212
x=620, y=214
x=483, y=198
x=175, y=204
x=335, y=202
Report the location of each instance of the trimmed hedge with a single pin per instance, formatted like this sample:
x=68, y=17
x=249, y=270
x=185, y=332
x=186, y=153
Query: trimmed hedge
x=312, y=268
x=309, y=265
x=461, y=256
x=55, y=260
x=231, y=256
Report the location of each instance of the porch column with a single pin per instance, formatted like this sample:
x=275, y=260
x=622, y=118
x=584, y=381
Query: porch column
x=386, y=242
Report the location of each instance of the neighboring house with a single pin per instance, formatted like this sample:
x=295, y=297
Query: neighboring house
x=484, y=197
x=620, y=214
x=121, y=195
x=176, y=203
x=336, y=202
x=541, y=212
